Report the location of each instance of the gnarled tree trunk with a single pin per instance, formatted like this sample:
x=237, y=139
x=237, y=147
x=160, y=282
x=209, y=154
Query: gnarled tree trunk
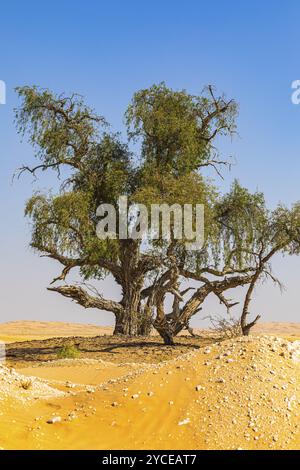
x=165, y=331
x=133, y=323
x=134, y=319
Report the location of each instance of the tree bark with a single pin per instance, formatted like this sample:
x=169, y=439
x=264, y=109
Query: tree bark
x=122, y=325
x=145, y=322
x=246, y=327
x=134, y=321
x=140, y=326
x=166, y=333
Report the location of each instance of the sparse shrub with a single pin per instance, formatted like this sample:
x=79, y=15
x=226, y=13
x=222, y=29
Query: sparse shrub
x=226, y=327
x=68, y=351
x=26, y=384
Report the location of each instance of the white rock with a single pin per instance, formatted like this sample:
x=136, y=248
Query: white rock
x=70, y=385
x=199, y=387
x=184, y=421
x=55, y=419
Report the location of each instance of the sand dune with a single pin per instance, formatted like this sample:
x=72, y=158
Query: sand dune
x=278, y=328
x=27, y=330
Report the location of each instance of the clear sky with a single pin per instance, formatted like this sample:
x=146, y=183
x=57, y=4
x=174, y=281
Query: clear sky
x=106, y=51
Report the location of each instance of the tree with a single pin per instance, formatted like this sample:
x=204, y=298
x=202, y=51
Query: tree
x=176, y=133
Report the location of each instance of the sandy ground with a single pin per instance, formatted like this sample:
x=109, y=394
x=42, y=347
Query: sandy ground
x=228, y=395
x=29, y=330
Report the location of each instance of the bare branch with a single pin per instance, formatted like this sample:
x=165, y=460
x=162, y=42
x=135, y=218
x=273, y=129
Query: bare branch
x=81, y=297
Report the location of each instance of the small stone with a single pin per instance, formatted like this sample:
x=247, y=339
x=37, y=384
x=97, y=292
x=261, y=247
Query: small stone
x=55, y=419
x=199, y=387
x=70, y=385
x=184, y=421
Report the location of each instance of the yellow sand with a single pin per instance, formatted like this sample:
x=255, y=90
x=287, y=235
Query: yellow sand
x=162, y=408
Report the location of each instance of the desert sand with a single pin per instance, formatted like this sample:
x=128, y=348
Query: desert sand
x=27, y=330
x=234, y=394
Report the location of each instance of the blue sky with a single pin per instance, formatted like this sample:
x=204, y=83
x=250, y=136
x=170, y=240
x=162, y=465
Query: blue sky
x=106, y=51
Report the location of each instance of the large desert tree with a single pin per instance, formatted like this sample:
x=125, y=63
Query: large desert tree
x=174, y=134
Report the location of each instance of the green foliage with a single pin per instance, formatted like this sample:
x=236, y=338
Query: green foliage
x=177, y=129
x=62, y=129
x=248, y=229
x=107, y=172
x=190, y=188
x=60, y=221
x=68, y=352
x=242, y=219
x=176, y=132
x=284, y=230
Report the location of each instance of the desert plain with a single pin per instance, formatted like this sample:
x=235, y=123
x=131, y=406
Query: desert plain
x=135, y=393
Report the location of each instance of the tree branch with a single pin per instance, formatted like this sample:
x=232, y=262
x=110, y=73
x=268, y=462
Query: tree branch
x=81, y=297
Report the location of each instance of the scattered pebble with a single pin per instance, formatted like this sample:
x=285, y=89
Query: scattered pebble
x=55, y=419
x=184, y=421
